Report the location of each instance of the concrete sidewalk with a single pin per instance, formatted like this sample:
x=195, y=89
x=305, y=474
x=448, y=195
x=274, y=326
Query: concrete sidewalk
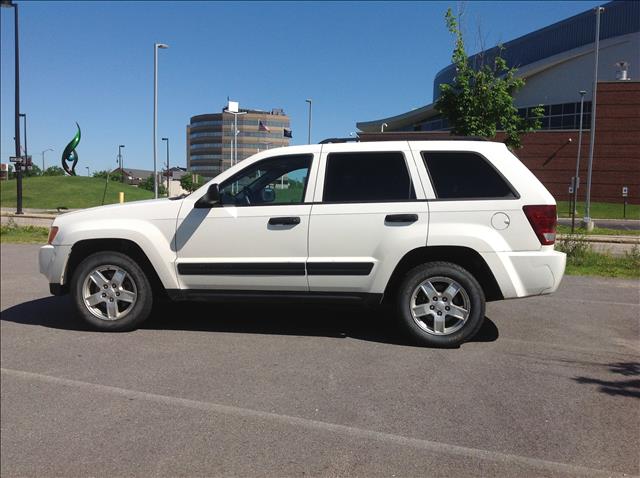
x=624, y=224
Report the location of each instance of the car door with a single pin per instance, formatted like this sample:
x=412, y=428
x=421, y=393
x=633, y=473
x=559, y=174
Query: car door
x=369, y=210
x=255, y=238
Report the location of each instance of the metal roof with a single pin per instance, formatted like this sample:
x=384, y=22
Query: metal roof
x=619, y=18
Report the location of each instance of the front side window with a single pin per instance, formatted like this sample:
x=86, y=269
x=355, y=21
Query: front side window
x=465, y=175
x=367, y=177
x=279, y=180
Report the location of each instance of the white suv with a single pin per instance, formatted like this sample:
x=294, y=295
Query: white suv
x=435, y=227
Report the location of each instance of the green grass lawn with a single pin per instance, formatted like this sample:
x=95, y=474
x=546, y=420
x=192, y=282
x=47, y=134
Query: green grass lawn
x=604, y=265
x=72, y=192
x=600, y=210
x=597, y=231
x=10, y=233
x=582, y=260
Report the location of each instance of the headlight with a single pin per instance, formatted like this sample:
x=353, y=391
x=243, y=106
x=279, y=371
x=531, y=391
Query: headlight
x=52, y=234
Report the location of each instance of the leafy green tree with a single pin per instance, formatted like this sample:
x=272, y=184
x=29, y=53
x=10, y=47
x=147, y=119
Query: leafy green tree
x=187, y=183
x=148, y=185
x=54, y=171
x=479, y=102
x=113, y=176
x=34, y=170
x=100, y=174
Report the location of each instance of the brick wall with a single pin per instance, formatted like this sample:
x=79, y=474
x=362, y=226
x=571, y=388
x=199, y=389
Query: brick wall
x=616, y=159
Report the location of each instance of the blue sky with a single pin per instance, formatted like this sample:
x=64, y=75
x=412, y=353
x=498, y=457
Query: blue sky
x=92, y=62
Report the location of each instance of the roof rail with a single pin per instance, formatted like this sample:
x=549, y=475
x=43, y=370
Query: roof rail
x=339, y=140
x=417, y=136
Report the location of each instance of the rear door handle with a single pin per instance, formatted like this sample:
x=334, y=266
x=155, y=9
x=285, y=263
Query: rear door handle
x=406, y=218
x=284, y=221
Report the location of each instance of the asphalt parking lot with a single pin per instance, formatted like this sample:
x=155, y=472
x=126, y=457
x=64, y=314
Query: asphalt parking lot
x=550, y=387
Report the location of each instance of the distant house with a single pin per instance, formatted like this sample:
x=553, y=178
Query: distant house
x=135, y=176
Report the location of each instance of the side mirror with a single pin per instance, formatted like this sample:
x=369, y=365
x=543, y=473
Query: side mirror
x=210, y=198
x=268, y=195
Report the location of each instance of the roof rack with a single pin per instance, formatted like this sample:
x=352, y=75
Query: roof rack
x=417, y=136
x=339, y=140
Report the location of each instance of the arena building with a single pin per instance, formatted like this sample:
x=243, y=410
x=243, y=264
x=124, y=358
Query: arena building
x=557, y=62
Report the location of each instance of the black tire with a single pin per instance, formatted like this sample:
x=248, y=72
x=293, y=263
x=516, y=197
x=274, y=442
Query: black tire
x=426, y=334
x=134, y=313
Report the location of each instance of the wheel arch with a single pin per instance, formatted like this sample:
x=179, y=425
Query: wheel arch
x=465, y=257
x=82, y=249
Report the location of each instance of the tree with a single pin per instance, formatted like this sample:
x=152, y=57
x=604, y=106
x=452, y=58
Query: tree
x=479, y=102
x=187, y=183
x=54, y=171
x=33, y=170
x=115, y=176
x=148, y=185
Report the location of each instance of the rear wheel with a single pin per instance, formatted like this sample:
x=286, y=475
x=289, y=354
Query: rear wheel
x=441, y=304
x=111, y=292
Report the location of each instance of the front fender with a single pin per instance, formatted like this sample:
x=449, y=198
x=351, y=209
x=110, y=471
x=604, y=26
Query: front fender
x=154, y=237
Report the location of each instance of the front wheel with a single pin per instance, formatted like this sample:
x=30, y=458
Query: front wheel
x=111, y=292
x=441, y=304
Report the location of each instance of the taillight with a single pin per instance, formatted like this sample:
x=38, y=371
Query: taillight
x=543, y=220
x=52, y=234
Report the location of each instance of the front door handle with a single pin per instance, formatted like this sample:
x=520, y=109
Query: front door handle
x=284, y=221
x=405, y=218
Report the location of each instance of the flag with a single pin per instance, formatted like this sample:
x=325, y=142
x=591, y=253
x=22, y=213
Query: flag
x=262, y=126
x=287, y=133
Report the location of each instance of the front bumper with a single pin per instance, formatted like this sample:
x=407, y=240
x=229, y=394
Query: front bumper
x=523, y=274
x=52, y=261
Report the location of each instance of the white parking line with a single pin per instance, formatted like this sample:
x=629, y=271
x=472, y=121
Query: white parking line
x=432, y=446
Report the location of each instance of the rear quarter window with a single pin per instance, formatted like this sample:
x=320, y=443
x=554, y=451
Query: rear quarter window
x=465, y=175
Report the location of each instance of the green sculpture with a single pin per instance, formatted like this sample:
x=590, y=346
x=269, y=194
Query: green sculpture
x=70, y=155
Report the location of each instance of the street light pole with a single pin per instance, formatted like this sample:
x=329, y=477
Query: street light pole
x=155, y=112
x=576, y=178
x=48, y=149
x=167, y=140
x=232, y=108
x=592, y=134
x=309, y=132
x=120, y=162
x=9, y=4
x=87, y=170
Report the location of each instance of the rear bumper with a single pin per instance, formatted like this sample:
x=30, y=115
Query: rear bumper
x=523, y=274
x=52, y=261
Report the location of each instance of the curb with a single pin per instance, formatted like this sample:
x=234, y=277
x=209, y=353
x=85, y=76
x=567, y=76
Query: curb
x=29, y=215
x=602, y=239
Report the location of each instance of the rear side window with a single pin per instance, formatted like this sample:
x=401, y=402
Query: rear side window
x=464, y=175
x=367, y=177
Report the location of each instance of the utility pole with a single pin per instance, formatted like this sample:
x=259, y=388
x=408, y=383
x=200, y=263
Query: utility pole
x=167, y=140
x=576, y=179
x=588, y=224
x=162, y=46
x=48, y=149
x=19, y=163
x=310, y=101
x=120, y=161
